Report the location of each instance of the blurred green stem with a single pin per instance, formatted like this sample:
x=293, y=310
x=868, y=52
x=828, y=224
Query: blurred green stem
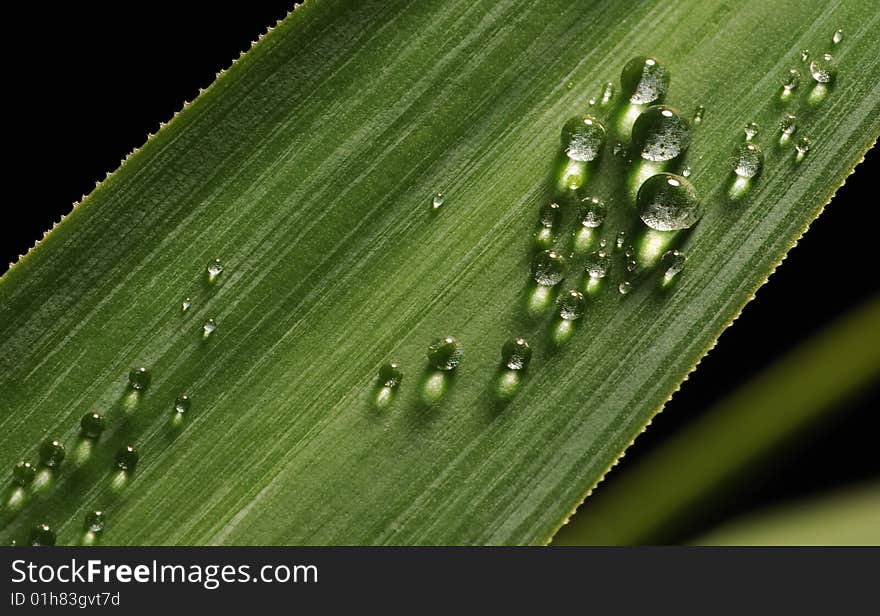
x=709, y=454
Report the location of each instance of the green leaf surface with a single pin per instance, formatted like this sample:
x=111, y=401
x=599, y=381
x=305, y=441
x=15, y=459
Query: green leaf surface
x=308, y=168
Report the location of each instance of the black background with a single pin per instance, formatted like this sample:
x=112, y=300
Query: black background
x=86, y=83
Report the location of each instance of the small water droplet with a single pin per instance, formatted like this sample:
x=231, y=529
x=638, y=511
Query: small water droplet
x=607, y=94
x=139, y=379
x=791, y=79
x=445, y=353
x=571, y=305
x=182, y=404
x=95, y=521
x=548, y=268
x=805, y=55
x=592, y=212
x=686, y=172
x=751, y=130
x=631, y=266
x=92, y=425
x=667, y=202
x=624, y=287
x=748, y=160
x=823, y=68
x=214, y=269
x=620, y=240
x=802, y=147
x=592, y=101
x=673, y=263
x=660, y=133
x=837, y=36
x=42, y=534
x=644, y=80
x=185, y=304
x=603, y=243
x=208, y=328
x=698, y=114
x=516, y=354
x=390, y=374
x=550, y=215
x=597, y=264
x=23, y=473
x=630, y=251
x=583, y=138
x=127, y=458
x=619, y=150
x=787, y=127
x=52, y=453
x=569, y=85
x=437, y=201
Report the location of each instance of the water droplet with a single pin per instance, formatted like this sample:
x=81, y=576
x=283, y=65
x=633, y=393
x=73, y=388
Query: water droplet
x=437, y=201
x=603, y=243
x=660, y=133
x=592, y=212
x=516, y=354
x=445, y=353
x=667, y=202
x=837, y=36
x=620, y=240
x=214, y=269
x=92, y=425
x=52, y=453
x=583, y=138
x=624, y=287
x=673, y=263
x=571, y=305
x=751, y=130
x=802, y=147
x=791, y=79
x=698, y=114
x=23, y=473
x=630, y=251
x=42, y=534
x=548, y=268
x=182, y=404
x=139, y=379
x=644, y=80
x=686, y=172
x=390, y=374
x=185, y=304
x=208, y=328
x=607, y=94
x=550, y=215
x=95, y=521
x=592, y=101
x=805, y=55
x=823, y=68
x=127, y=458
x=748, y=160
x=787, y=127
x=619, y=150
x=597, y=264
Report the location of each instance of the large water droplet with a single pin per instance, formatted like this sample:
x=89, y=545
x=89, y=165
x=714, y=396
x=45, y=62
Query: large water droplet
x=823, y=68
x=95, y=521
x=92, y=425
x=747, y=160
x=583, y=138
x=751, y=130
x=445, y=353
x=672, y=262
x=644, y=80
x=139, y=379
x=837, y=36
x=592, y=212
x=660, y=133
x=516, y=354
x=667, y=202
x=548, y=268
x=624, y=287
x=52, y=453
x=42, y=534
x=23, y=473
x=214, y=269
x=791, y=79
x=390, y=374
x=571, y=305
x=182, y=404
x=597, y=264
x=127, y=458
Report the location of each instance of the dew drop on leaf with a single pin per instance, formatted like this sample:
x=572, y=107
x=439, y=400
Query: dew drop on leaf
x=583, y=138
x=571, y=305
x=390, y=374
x=644, y=80
x=592, y=212
x=837, y=36
x=127, y=458
x=660, y=133
x=445, y=353
x=95, y=521
x=23, y=473
x=751, y=130
x=791, y=79
x=92, y=425
x=516, y=354
x=214, y=269
x=698, y=114
x=624, y=287
x=185, y=304
x=667, y=202
x=42, y=534
x=208, y=328
x=672, y=263
x=823, y=68
x=437, y=201
x=52, y=453
x=182, y=404
x=748, y=160
x=139, y=379
x=548, y=268
x=597, y=264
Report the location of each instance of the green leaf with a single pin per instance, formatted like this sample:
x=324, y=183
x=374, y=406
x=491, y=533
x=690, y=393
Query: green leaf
x=845, y=517
x=714, y=455
x=308, y=168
